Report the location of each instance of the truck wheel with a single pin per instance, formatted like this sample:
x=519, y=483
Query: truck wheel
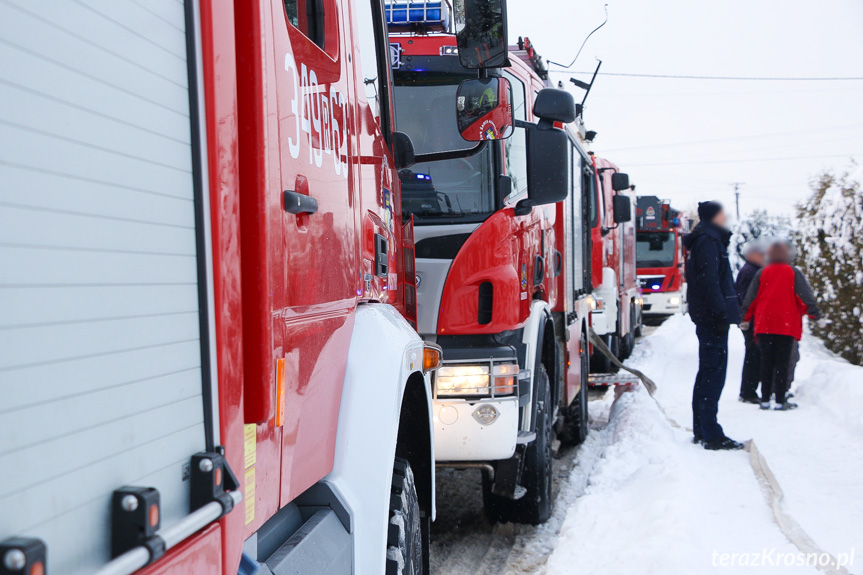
x=534, y=507
x=404, y=533
x=575, y=416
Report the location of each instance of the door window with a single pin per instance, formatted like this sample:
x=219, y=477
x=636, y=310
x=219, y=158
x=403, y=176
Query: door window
x=307, y=16
x=516, y=145
x=374, y=75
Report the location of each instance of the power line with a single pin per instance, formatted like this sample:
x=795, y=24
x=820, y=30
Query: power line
x=736, y=78
x=754, y=160
x=737, y=138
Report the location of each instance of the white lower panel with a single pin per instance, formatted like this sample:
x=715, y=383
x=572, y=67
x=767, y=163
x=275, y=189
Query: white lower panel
x=460, y=437
x=385, y=351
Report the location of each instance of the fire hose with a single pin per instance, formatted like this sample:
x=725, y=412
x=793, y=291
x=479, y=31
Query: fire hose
x=770, y=487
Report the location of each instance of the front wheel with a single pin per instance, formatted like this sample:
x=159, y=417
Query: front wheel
x=534, y=507
x=404, y=533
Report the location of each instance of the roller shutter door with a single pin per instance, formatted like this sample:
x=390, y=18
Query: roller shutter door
x=101, y=364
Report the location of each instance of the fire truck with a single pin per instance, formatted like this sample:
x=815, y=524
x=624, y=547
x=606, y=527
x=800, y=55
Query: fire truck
x=208, y=359
x=617, y=313
x=661, y=257
x=502, y=276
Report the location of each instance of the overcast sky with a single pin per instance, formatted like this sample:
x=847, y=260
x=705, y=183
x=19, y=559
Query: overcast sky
x=688, y=140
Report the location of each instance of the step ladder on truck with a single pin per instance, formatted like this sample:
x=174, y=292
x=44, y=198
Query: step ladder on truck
x=498, y=199
x=210, y=362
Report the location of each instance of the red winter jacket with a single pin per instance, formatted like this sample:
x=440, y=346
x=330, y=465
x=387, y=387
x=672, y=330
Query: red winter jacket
x=777, y=299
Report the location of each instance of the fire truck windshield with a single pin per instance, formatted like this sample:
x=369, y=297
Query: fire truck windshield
x=655, y=249
x=459, y=190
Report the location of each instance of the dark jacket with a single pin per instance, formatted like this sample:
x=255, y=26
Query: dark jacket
x=777, y=300
x=744, y=279
x=710, y=286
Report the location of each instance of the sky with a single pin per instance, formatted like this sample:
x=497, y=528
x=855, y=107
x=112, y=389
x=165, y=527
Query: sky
x=690, y=140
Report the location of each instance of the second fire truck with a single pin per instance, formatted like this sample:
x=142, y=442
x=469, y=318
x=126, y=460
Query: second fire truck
x=502, y=258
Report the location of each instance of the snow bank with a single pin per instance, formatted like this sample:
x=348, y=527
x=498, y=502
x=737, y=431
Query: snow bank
x=832, y=384
x=655, y=503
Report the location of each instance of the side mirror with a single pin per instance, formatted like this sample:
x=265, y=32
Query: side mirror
x=621, y=206
x=554, y=105
x=480, y=27
x=403, y=151
x=484, y=109
x=547, y=165
x=619, y=181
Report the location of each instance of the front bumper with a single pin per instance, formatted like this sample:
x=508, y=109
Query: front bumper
x=664, y=303
x=458, y=436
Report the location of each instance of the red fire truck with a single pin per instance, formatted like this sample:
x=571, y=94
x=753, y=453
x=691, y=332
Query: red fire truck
x=208, y=363
x=501, y=252
x=617, y=316
x=661, y=258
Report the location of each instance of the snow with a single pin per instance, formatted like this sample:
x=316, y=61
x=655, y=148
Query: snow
x=656, y=503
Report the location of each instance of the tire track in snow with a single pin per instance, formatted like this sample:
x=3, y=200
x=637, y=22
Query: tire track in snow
x=464, y=542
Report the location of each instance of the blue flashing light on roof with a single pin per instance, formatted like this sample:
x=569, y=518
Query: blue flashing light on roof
x=423, y=177
x=409, y=15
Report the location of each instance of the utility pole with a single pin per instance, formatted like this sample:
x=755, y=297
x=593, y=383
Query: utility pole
x=737, y=197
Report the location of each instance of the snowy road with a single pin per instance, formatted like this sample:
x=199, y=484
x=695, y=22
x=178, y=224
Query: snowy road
x=638, y=497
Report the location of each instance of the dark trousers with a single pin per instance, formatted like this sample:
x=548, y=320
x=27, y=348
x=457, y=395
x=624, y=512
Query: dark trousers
x=777, y=352
x=751, y=375
x=712, y=364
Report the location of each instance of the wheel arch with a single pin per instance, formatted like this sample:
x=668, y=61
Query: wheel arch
x=415, y=441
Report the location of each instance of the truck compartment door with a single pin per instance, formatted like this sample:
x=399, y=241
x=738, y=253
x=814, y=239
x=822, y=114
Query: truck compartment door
x=103, y=369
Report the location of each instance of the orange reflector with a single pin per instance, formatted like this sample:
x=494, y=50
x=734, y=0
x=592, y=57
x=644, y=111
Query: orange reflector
x=217, y=476
x=154, y=515
x=37, y=568
x=280, y=392
x=431, y=357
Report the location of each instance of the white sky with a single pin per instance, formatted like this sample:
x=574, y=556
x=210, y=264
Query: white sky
x=646, y=126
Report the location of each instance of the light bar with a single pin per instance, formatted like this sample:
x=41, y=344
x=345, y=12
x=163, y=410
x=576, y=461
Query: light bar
x=431, y=16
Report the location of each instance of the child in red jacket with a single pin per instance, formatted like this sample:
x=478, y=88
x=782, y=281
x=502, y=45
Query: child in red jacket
x=777, y=300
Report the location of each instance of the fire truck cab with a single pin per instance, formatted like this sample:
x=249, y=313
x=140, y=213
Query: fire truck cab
x=209, y=357
x=661, y=258
x=500, y=261
x=617, y=316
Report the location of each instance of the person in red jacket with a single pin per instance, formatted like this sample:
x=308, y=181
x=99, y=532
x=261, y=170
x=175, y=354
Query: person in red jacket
x=775, y=303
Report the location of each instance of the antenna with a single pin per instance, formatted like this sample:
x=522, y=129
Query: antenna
x=737, y=197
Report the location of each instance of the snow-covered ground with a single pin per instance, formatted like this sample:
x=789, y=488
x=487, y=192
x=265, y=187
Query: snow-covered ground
x=656, y=503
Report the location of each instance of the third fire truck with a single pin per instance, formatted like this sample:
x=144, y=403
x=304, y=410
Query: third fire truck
x=661, y=258
x=616, y=317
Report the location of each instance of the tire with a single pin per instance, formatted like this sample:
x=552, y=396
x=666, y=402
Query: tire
x=575, y=416
x=535, y=506
x=405, y=549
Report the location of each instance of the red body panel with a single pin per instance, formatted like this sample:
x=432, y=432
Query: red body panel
x=198, y=554
x=285, y=285
x=503, y=250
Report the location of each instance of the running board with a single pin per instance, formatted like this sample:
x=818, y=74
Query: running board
x=608, y=379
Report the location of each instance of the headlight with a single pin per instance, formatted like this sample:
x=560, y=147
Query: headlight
x=597, y=304
x=462, y=380
x=674, y=300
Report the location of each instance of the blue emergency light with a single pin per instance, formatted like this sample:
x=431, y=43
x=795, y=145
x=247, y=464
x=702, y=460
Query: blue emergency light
x=405, y=16
x=423, y=177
